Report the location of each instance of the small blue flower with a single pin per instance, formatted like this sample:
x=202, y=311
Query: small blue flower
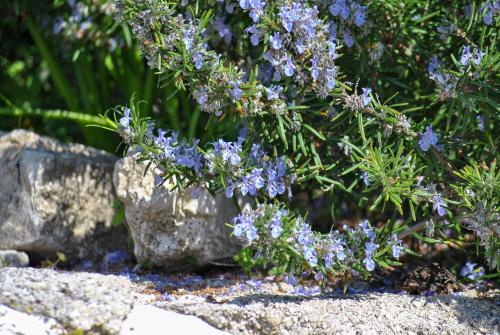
x=471, y=272
x=438, y=205
x=299, y=46
x=359, y=15
x=310, y=256
x=314, y=68
x=339, y=7
x=397, y=247
x=125, y=120
x=369, y=263
x=366, y=98
x=366, y=178
x=255, y=36
x=275, y=40
x=198, y=60
x=480, y=124
x=348, y=38
x=433, y=64
x=229, y=191
x=330, y=78
x=428, y=138
x=289, y=67
x=290, y=279
x=235, y=92
x=466, y=55
x=273, y=92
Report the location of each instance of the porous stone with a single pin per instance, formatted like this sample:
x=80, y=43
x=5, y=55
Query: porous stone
x=53, y=196
x=13, y=258
x=172, y=229
x=94, y=303
x=373, y=313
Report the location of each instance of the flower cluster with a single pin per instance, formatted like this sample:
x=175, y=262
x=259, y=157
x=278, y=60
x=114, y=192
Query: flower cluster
x=473, y=57
x=471, y=272
x=83, y=21
x=269, y=228
x=249, y=171
x=488, y=11
x=347, y=16
x=428, y=139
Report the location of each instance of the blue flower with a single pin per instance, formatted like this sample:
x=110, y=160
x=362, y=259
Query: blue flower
x=310, y=256
x=314, y=68
x=348, y=39
x=366, y=98
x=299, y=46
x=433, y=64
x=396, y=247
x=369, y=263
x=256, y=34
x=273, y=92
x=470, y=272
x=438, y=205
x=480, y=124
x=290, y=279
x=466, y=55
x=125, y=120
x=428, y=138
x=198, y=60
x=477, y=56
x=330, y=78
x=339, y=7
x=289, y=67
x=188, y=39
x=201, y=95
x=235, y=92
x=229, y=151
x=366, y=178
x=229, y=191
x=244, y=227
x=332, y=49
x=276, y=225
x=359, y=15
x=256, y=8
x=370, y=247
x=275, y=40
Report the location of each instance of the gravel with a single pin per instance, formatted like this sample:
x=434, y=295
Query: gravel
x=374, y=313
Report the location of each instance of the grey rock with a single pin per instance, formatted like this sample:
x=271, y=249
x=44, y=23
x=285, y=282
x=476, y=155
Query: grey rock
x=150, y=320
x=13, y=322
x=93, y=303
x=360, y=314
x=172, y=229
x=53, y=197
x=13, y=258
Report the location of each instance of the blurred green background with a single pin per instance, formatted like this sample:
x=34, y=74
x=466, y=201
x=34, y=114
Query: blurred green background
x=65, y=62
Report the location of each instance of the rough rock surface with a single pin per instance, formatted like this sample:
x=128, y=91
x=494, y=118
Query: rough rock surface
x=13, y=258
x=53, y=197
x=91, y=302
x=360, y=314
x=169, y=228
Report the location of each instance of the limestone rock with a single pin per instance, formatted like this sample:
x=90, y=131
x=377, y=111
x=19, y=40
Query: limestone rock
x=13, y=258
x=53, y=197
x=172, y=229
x=94, y=303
